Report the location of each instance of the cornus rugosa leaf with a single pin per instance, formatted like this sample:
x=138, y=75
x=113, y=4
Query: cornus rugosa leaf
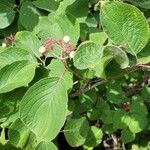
x=46, y=146
x=76, y=131
x=16, y=75
x=48, y=5
x=129, y=28
x=7, y=14
x=28, y=41
x=43, y=109
x=13, y=54
x=57, y=69
x=87, y=55
x=29, y=15
x=20, y=135
x=141, y=3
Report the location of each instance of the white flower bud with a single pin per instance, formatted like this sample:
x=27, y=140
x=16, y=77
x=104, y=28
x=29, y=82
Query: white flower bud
x=66, y=39
x=71, y=55
x=42, y=50
x=4, y=45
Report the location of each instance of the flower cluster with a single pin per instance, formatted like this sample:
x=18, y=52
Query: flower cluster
x=8, y=40
x=66, y=46
x=126, y=106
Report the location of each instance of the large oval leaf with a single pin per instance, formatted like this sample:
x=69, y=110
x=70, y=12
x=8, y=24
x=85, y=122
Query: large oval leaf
x=44, y=107
x=15, y=75
x=87, y=55
x=7, y=14
x=129, y=28
x=13, y=54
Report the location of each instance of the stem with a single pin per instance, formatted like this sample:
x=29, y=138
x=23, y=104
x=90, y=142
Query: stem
x=144, y=66
x=79, y=92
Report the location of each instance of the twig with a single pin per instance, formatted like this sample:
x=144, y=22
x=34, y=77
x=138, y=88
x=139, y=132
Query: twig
x=80, y=92
x=144, y=66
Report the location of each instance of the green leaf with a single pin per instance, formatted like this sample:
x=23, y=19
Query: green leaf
x=129, y=28
x=76, y=131
x=121, y=119
x=28, y=41
x=78, y=8
x=9, y=106
x=141, y=3
x=87, y=55
x=20, y=136
x=67, y=23
x=28, y=15
x=138, y=123
x=115, y=93
x=127, y=136
x=48, y=5
x=46, y=146
x=16, y=75
x=138, y=107
x=7, y=146
x=7, y=14
x=13, y=54
x=97, y=36
x=118, y=54
x=44, y=107
x=43, y=24
x=94, y=137
x=144, y=56
x=146, y=93
x=57, y=69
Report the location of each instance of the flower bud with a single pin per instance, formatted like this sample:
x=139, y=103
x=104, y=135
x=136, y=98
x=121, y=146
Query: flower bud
x=71, y=55
x=4, y=45
x=42, y=50
x=66, y=39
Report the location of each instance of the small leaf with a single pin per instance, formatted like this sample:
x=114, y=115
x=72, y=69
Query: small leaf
x=16, y=75
x=78, y=8
x=141, y=3
x=76, y=131
x=138, y=123
x=48, y=5
x=7, y=14
x=87, y=55
x=121, y=119
x=118, y=54
x=67, y=23
x=46, y=146
x=144, y=56
x=115, y=93
x=94, y=137
x=21, y=136
x=29, y=15
x=28, y=41
x=57, y=69
x=127, y=136
x=43, y=109
x=129, y=28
